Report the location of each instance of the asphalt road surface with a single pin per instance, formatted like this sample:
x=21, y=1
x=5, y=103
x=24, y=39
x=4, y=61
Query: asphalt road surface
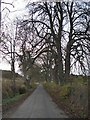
x=39, y=105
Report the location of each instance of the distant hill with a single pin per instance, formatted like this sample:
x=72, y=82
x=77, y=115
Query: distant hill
x=8, y=74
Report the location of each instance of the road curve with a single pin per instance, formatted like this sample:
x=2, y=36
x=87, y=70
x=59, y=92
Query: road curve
x=38, y=105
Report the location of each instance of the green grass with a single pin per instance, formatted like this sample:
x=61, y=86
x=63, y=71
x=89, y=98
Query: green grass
x=12, y=100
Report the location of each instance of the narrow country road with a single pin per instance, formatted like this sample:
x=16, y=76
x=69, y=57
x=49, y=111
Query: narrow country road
x=38, y=105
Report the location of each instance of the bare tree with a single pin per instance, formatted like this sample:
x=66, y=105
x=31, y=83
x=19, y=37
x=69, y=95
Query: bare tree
x=2, y=11
x=9, y=53
x=44, y=33
x=50, y=21
x=78, y=40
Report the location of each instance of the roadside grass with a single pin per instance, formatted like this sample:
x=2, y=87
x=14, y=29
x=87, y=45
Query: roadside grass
x=9, y=100
x=72, y=97
x=7, y=88
x=12, y=100
x=11, y=103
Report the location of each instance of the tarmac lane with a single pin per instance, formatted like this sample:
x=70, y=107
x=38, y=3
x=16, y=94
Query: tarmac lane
x=39, y=105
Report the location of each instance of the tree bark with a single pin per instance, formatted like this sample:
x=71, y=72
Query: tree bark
x=67, y=63
x=60, y=63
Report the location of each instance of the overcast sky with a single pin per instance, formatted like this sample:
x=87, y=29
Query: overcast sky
x=17, y=11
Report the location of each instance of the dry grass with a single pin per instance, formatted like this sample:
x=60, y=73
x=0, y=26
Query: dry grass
x=10, y=101
x=7, y=87
x=72, y=97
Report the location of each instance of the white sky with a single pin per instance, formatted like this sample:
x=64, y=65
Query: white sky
x=17, y=11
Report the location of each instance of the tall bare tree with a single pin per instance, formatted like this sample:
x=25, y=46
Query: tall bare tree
x=78, y=37
x=50, y=21
x=8, y=45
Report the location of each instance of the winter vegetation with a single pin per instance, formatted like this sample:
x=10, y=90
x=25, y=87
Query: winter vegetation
x=50, y=44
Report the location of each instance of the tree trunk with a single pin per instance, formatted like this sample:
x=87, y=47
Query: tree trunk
x=13, y=77
x=60, y=62
x=60, y=67
x=13, y=66
x=56, y=71
x=67, y=64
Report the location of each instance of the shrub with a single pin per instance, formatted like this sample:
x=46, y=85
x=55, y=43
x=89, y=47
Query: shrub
x=65, y=91
x=22, y=89
x=6, y=89
x=52, y=86
x=33, y=85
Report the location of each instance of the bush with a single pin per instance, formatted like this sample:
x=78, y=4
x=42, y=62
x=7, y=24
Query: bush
x=73, y=95
x=22, y=89
x=52, y=85
x=65, y=91
x=33, y=85
x=6, y=89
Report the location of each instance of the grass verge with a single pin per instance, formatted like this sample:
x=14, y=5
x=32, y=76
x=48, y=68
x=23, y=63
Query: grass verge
x=10, y=104
x=69, y=99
